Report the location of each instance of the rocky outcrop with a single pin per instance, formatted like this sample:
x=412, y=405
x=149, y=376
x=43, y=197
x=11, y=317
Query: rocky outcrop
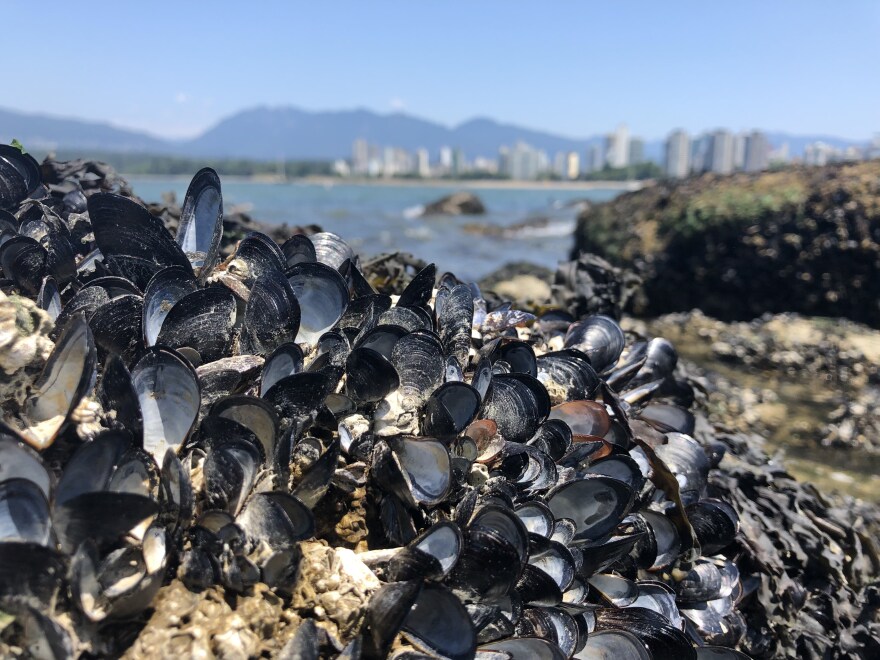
x=460, y=203
x=805, y=240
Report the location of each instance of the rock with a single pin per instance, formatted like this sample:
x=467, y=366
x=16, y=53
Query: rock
x=460, y=203
x=591, y=285
x=805, y=240
x=24, y=345
x=520, y=282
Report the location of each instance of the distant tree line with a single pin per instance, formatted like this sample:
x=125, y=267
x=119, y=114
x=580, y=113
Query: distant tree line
x=134, y=163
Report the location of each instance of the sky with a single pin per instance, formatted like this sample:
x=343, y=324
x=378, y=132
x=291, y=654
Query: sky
x=572, y=68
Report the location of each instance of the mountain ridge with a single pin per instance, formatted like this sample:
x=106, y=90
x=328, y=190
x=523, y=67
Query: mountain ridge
x=288, y=132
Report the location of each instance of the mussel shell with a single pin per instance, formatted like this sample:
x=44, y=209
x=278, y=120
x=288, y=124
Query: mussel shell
x=449, y=410
x=595, y=504
x=553, y=437
x=19, y=176
x=256, y=255
x=202, y=320
x=254, y=414
x=24, y=513
x=570, y=368
x=299, y=396
x=313, y=485
x=24, y=261
x=86, y=301
x=370, y=376
x=520, y=356
x=715, y=523
x=167, y=287
x=416, y=470
x=663, y=640
x=323, y=296
x=537, y=518
x=418, y=359
x=667, y=418
x=438, y=623
x=49, y=298
x=298, y=249
x=117, y=327
x=100, y=515
x=68, y=375
x=405, y=317
x=330, y=249
x=584, y=418
x=285, y=360
x=135, y=244
x=518, y=403
x=276, y=518
x=420, y=288
x=32, y=572
x=455, y=320
x=600, y=338
x=168, y=392
x=524, y=648
x=613, y=644
x=201, y=221
x=272, y=315
x=17, y=460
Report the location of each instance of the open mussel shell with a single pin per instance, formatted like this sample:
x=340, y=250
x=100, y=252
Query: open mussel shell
x=595, y=504
x=521, y=648
x=621, y=467
x=439, y=624
x=652, y=629
x=537, y=518
x=323, y=296
x=202, y=320
x=584, y=418
x=416, y=470
x=272, y=315
x=285, y=360
x=600, y=338
x=49, y=298
x=527, y=467
x=168, y=392
x=387, y=610
x=201, y=221
x=518, y=403
x=298, y=249
x=715, y=523
x=315, y=482
x=68, y=375
x=135, y=245
x=103, y=515
x=167, y=287
x=24, y=513
x=553, y=438
x=254, y=414
x=23, y=260
x=277, y=519
x=30, y=572
x=613, y=645
x=17, y=460
x=449, y=410
x=668, y=418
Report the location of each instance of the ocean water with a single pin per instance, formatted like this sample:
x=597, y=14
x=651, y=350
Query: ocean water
x=533, y=225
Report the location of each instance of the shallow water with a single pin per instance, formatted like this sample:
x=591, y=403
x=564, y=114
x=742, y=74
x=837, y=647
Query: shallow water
x=383, y=218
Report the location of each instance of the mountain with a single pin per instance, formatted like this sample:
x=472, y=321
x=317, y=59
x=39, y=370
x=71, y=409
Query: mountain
x=44, y=132
x=264, y=133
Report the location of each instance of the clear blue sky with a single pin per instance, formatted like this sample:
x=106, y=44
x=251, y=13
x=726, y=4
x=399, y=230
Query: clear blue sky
x=574, y=68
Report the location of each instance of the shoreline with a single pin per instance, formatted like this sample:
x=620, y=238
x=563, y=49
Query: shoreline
x=462, y=184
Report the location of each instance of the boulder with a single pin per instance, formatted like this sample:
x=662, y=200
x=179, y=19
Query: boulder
x=460, y=203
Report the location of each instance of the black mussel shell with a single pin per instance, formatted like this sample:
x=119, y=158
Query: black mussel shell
x=32, y=572
x=298, y=249
x=254, y=414
x=416, y=470
x=620, y=467
x=600, y=338
x=715, y=523
x=117, y=327
x=101, y=515
x=49, y=298
x=323, y=296
x=455, y=320
x=537, y=518
x=518, y=403
x=201, y=221
x=420, y=289
x=86, y=301
x=614, y=644
x=406, y=318
x=571, y=370
x=228, y=376
x=553, y=438
x=271, y=317
x=202, y=320
x=176, y=499
x=438, y=624
x=313, y=485
x=24, y=261
x=230, y=468
x=134, y=244
x=24, y=513
x=519, y=355
x=418, y=359
x=277, y=519
x=663, y=640
x=524, y=648
x=17, y=460
x=584, y=418
x=370, y=376
x=667, y=418
x=387, y=610
x=299, y=396
x=255, y=255
x=19, y=176
x=449, y=410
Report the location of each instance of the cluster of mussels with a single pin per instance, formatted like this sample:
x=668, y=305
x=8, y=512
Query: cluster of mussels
x=503, y=485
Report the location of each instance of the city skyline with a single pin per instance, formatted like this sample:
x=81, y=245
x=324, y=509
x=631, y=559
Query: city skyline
x=689, y=65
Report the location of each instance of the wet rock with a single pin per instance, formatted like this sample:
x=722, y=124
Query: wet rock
x=460, y=203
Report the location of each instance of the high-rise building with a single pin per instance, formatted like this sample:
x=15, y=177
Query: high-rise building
x=523, y=161
x=617, y=147
x=573, y=165
x=757, y=152
x=459, y=164
x=636, y=151
x=700, y=161
x=360, y=156
x=560, y=164
x=595, y=159
x=678, y=152
x=446, y=159
x=721, y=152
x=423, y=165
x=739, y=151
